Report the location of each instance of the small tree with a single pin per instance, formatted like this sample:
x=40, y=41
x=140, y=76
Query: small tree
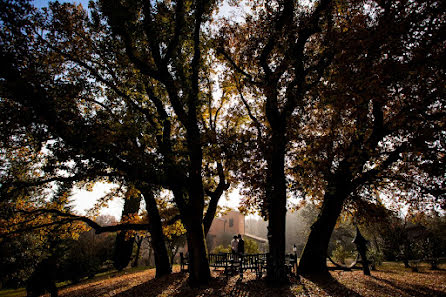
x=340, y=253
x=251, y=246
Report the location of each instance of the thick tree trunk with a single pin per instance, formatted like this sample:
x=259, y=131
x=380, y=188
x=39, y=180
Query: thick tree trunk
x=192, y=210
x=276, y=205
x=123, y=245
x=190, y=203
x=162, y=263
x=199, y=273
x=123, y=250
x=314, y=256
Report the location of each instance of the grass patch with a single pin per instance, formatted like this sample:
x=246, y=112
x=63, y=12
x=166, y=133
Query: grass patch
x=399, y=266
x=13, y=293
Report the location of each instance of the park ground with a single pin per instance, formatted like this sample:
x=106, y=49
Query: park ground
x=391, y=279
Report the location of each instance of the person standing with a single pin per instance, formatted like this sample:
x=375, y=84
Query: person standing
x=241, y=245
x=234, y=245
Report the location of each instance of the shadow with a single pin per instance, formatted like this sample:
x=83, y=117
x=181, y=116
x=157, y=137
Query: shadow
x=176, y=285
x=239, y=290
x=411, y=289
x=386, y=290
x=259, y=287
x=437, y=269
x=215, y=287
x=332, y=286
x=232, y=286
x=156, y=286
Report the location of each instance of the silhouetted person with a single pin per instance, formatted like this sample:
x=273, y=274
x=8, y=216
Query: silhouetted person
x=43, y=278
x=241, y=245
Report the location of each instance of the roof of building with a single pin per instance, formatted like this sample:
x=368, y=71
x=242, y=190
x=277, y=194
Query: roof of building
x=264, y=240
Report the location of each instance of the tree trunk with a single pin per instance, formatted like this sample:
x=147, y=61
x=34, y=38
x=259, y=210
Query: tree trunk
x=199, y=273
x=276, y=206
x=190, y=203
x=162, y=263
x=192, y=211
x=365, y=262
x=124, y=245
x=314, y=256
x=150, y=252
x=123, y=250
x=138, y=252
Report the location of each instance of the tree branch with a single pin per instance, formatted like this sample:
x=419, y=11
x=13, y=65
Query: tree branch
x=179, y=24
x=372, y=173
x=215, y=197
x=72, y=218
x=250, y=114
x=251, y=80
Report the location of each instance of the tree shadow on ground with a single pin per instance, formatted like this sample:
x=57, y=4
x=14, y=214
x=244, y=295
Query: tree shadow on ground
x=410, y=289
x=156, y=286
x=234, y=286
x=258, y=287
x=215, y=288
x=176, y=285
x=331, y=286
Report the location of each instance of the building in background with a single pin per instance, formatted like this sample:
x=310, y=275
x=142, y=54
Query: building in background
x=225, y=227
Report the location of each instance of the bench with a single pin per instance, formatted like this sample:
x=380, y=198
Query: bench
x=221, y=260
x=253, y=262
x=241, y=263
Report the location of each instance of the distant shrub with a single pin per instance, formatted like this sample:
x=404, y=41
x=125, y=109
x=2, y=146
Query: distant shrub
x=375, y=257
x=251, y=246
x=221, y=249
x=340, y=254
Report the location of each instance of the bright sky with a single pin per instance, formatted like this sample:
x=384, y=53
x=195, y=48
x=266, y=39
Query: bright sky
x=44, y=3
x=84, y=200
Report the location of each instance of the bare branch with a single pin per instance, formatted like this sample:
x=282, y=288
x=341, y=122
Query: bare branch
x=237, y=67
x=250, y=114
x=68, y=218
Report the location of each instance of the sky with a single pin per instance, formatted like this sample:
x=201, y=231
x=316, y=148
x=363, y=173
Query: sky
x=83, y=200
x=44, y=3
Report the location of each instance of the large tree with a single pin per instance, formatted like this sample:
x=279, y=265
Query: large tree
x=121, y=93
x=276, y=56
x=378, y=122
x=338, y=98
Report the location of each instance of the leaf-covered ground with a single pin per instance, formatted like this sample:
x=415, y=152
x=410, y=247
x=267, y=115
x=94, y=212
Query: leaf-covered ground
x=390, y=280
